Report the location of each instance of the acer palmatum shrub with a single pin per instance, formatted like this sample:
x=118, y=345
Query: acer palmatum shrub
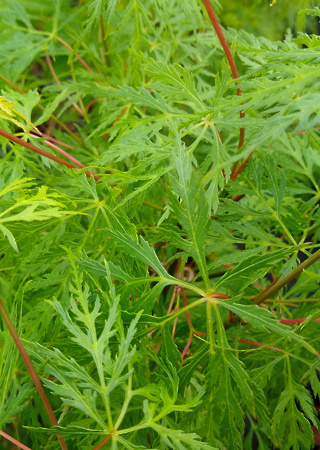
x=159, y=274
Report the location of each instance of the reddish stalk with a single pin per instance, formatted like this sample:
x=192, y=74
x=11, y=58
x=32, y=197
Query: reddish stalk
x=60, y=150
x=107, y=439
x=53, y=73
x=230, y=59
x=187, y=314
x=56, y=120
x=32, y=372
x=305, y=132
x=11, y=84
x=85, y=65
x=217, y=295
x=296, y=320
x=35, y=149
x=14, y=441
x=118, y=118
x=184, y=351
x=190, y=325
x=264, y=290
x=236, y=198
x=175, y=290
x=236, y=173
x=52, y=139
x=174, y=327
x=92, y=102
x=259, y=344
x=273, y=288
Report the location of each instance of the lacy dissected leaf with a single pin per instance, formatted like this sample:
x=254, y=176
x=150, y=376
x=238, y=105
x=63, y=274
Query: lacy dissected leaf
x=143, y=252
x=264, y=319
x=251, y=268
x=13, y=395
x=292, y=415
x=24, y=104
x=11, y=112
x=192, y=211
x=40, y=206
x=230, y=388
x=88, y=394
x=173, y=81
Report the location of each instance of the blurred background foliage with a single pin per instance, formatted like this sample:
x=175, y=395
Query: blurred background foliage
x=267, y=18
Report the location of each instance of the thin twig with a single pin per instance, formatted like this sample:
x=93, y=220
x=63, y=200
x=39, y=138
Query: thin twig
x=35, y=149
x=32, y=372
x=107, y=439
x=38, y=150
x=291, y=276
x=229, y=57
x=52, y=139
x=60, y=150
x=296, y=320
x=184, y=351
x=76, y=54
x=236, y=198
x=56, y=120
x=118, y=118
x=53, y=72
x=259, y=344
x=14, y=441
x=240, y=168
x=16, y=88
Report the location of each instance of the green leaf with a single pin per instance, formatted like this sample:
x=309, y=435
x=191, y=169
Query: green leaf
x=262, y=318
x=50, y=108
x=141, y=251
x=292, y=426
x=169, y=350
x=193, y=211
x=252, y=268
x=7, y=233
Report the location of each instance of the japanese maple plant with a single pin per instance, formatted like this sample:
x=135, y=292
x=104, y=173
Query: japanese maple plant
x=159, y=228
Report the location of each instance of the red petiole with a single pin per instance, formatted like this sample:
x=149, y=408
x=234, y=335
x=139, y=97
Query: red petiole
x=32, y=372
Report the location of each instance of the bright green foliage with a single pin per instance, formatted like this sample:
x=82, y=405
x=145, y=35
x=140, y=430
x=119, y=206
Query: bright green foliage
x=135, y=282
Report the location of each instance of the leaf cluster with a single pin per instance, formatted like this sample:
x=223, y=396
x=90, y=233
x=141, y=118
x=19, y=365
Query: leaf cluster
x=154, y=280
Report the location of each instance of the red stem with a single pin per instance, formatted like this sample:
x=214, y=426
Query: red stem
x=35, y=149
x=91, y=103
x=259, y=344
x=296, y=320
x=264, y=290
x=217, y=295
x=228, y=54
x=50, y=138
x=32, y=372
x=183, y=354
x=187, y=314
x=76, y=54
x=174, y=327
x=236, y=198
x=190, y=325
x=60, y=150
x=48, y=59
x=107, y=439
x=14, y=441
x=118, y=118
x=57, y=121
x=236, y=173
x=175, y=290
